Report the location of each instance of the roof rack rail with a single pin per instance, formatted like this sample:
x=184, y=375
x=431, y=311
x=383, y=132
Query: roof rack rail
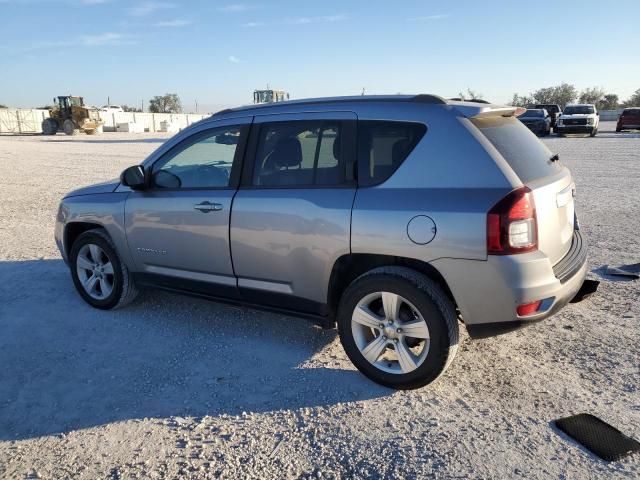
x=431, y=99
x=222, y=112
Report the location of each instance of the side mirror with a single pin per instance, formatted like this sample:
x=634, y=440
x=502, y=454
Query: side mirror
x=133, y=177
x=597, y=114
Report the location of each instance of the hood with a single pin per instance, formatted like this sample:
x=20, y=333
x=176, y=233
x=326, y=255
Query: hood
x=579, y=115
x=105, y=187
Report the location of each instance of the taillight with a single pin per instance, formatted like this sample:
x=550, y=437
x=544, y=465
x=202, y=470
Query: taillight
x=511, y=224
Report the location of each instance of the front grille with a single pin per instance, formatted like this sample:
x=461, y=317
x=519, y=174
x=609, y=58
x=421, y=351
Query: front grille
x=575, y=121
x=573, y=260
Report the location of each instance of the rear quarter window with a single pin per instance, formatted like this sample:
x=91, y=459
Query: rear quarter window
x=528, y=157
x=383, y=146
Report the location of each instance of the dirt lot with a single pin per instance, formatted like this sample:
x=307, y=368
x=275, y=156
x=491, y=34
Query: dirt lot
x=176, y=387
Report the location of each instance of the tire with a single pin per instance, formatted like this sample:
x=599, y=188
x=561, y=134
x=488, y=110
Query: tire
x=49, y=126
x=421, y=300
x=123, y=290
x=594, y=132
x=69, y=128
x=618, y=130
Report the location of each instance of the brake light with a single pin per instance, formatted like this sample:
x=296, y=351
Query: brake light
x=511, y=224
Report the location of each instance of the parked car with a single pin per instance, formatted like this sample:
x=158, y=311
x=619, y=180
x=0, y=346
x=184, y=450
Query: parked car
x=537, y=120
x=394, y=216
x=553, y=109
x=629, y=119
x=111, y=109
x=579, y=119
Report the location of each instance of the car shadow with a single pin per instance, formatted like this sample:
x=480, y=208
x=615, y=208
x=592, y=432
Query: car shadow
x=67, y=366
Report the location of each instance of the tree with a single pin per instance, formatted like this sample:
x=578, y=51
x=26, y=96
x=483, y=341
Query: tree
x=634, y=100
x=560, y=94
x=127, y=108
x=167, y=103
x=521, y=101
x=592, y=95
x=470, y=95
x=609, y=102
x=3, y=106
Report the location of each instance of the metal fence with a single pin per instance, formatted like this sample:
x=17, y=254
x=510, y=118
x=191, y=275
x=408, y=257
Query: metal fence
x=24, y=121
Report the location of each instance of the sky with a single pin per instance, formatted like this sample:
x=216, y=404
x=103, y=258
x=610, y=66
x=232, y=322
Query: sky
x=216, y=52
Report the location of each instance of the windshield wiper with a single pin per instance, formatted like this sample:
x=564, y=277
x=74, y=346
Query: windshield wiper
x=555, y=157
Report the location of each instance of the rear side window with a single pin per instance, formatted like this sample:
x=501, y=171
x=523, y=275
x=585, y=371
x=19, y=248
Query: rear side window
x=383, y=146
x=300, y=153
x=528, y=157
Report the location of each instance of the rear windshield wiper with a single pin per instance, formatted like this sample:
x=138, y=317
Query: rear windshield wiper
x=555, y=157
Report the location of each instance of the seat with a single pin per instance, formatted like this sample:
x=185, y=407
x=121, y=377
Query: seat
x=282, y=167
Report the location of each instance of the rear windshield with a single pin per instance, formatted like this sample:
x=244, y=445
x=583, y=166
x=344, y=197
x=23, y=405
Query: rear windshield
x=631, y=112
x=529, y=158
x=578, y=110
x=550, y=108
x=533, y=113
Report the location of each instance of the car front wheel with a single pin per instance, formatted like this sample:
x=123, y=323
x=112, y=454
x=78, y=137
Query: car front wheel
x=398, y=327
x=99, y=275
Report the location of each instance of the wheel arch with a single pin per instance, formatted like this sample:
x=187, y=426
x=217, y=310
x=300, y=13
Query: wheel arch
x=349, y=267
x=74, y=229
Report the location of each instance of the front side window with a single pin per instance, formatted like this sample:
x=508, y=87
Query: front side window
x=383, y=146
x=300, y=153
x=203, y=161
x=579, y=110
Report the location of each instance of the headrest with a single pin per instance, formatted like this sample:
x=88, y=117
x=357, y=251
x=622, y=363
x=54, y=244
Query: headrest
x=288, y=153
x=399, y=150
x=336, y=146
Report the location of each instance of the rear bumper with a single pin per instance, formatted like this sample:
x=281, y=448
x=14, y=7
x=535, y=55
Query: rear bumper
x=534, y=127
x=489, y=292
x=629, y=127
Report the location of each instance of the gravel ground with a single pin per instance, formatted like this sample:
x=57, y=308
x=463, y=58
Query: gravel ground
x=179, y=387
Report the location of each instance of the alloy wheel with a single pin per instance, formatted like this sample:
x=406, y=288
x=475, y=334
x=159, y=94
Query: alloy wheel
x=390, y=332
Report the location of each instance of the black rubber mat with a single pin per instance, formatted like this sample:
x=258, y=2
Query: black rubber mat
x=631, y=271
x=597, y=436
x=588, y=288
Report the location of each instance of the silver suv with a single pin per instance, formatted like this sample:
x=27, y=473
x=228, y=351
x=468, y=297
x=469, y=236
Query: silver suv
x=395, y=217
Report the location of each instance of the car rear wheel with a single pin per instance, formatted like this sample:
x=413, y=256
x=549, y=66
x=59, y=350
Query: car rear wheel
x=398, y=327
x=98, y=273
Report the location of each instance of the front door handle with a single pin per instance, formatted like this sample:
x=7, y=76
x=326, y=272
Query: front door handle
x=208, y=207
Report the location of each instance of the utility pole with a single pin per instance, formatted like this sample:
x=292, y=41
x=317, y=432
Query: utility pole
x=196, y=106
x=142, y=105
x=108, y=101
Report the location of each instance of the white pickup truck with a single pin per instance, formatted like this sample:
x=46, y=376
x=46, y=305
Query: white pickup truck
x=578, y=118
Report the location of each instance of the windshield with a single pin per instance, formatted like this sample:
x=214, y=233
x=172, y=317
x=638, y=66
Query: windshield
x=631, y=112
x=533, y=113
x=578, y=110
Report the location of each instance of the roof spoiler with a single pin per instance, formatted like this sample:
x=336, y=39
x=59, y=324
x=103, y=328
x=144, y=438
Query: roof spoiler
x=481, y=110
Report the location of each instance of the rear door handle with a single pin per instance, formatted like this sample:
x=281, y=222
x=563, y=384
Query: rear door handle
x=208, y=207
